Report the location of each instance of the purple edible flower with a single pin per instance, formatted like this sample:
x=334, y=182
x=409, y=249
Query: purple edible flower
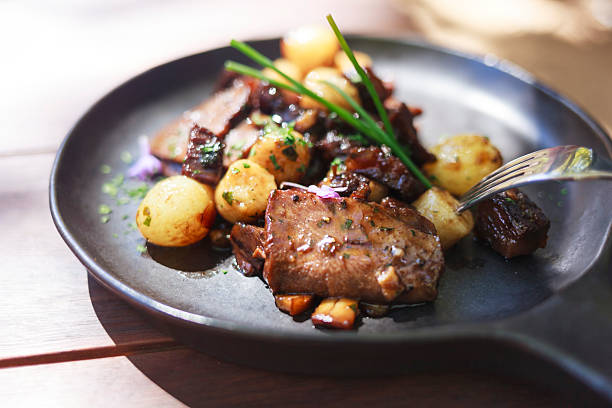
x=323, y=191
x=147, y=165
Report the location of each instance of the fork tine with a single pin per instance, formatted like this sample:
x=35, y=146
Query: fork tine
x=489, y=181
x=471, y=195
x=513, y=163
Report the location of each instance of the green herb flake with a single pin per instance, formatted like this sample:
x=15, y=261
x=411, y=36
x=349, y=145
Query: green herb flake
x=337, y=162
x=274, y=162
x=246, y=165
x=386, y=228
x=104, y=209
x=126, y=157
x=302, y=169
x=141, y=248
x=115, y=235
x=123, y=200
x=228, y=196
x=235, y=170
x=105, y=169
x=372, y=223
x=224, y=272
x=290, y=153
x=347, y=223
x=140, y=191
x=125, y=217
x=564, y=191
x=104, y=219
x=346, y=255
x=413, y=233
x=289, y=139
x=510, y=201
x=353, y=307
x=147, y=221
x=110, y=189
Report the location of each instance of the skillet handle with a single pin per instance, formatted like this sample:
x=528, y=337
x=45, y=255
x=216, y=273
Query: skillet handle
x=573, y=329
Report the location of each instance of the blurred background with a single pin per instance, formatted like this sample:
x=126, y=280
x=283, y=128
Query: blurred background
x=60, y=56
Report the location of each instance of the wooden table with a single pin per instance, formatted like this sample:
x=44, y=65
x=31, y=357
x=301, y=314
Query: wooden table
x=66, y=341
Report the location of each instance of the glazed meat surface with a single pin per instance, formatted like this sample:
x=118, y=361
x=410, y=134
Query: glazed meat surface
x=349, y=248
x=378, y=164
x=245, y=240
x=511, y=223
x=218, y=114
x=402, y=120
x=204, y=159
x=238, y=141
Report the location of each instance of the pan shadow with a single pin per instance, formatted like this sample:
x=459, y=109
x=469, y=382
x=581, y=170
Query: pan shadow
x=198, y=379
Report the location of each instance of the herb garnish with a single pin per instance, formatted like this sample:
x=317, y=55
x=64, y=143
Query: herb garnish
x=246, y=165
x=104, y=219
x=346, y=256
x=105, y=169
x=386, y=228
x=363, y=123
x=147, y=221
x=104, y=209
x=274, y=162
x=290, y=153
x=126, y=157
x=347, y=223
x=228, y=196
x=141, y=248
x=235, y=170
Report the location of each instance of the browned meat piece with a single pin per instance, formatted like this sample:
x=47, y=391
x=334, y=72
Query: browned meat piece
x=336, y=313
x=272, y=101
x=378, y=164
x=247, y=244
x=511, y=223
x=334, y=144
x=355, y=185
x=349, y=248
x=401, y=118
x=407, y=213
x=204, y=159
x=383, y=90
x=238, y=141
x=294, y=304
x=218, y=114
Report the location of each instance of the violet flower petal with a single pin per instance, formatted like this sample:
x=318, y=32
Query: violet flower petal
x=324, y=191
x=147, y=165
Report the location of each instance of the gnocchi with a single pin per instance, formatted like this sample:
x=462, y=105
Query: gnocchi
x=462, y=161
x=309, y=47
x=282, y=152
x=314, y=81
x=177, y=211
x=242, y=194
x=439, y=207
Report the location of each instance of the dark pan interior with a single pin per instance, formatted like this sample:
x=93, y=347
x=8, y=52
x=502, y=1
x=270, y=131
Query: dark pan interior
x=457, y=94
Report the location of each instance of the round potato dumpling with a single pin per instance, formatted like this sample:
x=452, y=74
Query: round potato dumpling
x=177, y=211
x=282, y=152
x=285, y=66
x=314, y=81
x=242, y=194
x=344, y=64
x=462, y=161
x=309, y=47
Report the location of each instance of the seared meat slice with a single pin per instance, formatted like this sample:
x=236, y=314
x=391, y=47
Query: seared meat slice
x=408, y=214
x=238, y=141
x=355, y=185
x=378, y=164
x=247, y=245
x=401, y=118
x=218, y=114
x=204, y=160
x=511, y=223
x=348, y=248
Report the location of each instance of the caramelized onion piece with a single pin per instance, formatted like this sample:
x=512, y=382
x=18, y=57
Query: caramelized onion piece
x=294, y=304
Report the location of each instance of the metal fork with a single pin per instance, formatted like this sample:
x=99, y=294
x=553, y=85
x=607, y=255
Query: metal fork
x=556, y=163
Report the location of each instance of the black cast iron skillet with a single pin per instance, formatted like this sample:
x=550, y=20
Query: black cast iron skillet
x=546, y=316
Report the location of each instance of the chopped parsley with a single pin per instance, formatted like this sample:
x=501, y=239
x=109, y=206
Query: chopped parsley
x=289, y=139
x=346, y=255
x=353, y=307
x=290, y=153
x=274, y=162
x=413, y=233
x=357, y=137
x=235, y=170
x=564, y=191
x=104, y=219
x=337, y=162
x=141, y=248
x=224, y=272
x=246, y=165
x=112, y=187
x=228, y=196
x=125, y=217
x=123, y=200
x=105, y=169
x=140, y=191
x=104, y=209
x=509, y=200
x=126, y=157
x=347, y=223
x=147, y=221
